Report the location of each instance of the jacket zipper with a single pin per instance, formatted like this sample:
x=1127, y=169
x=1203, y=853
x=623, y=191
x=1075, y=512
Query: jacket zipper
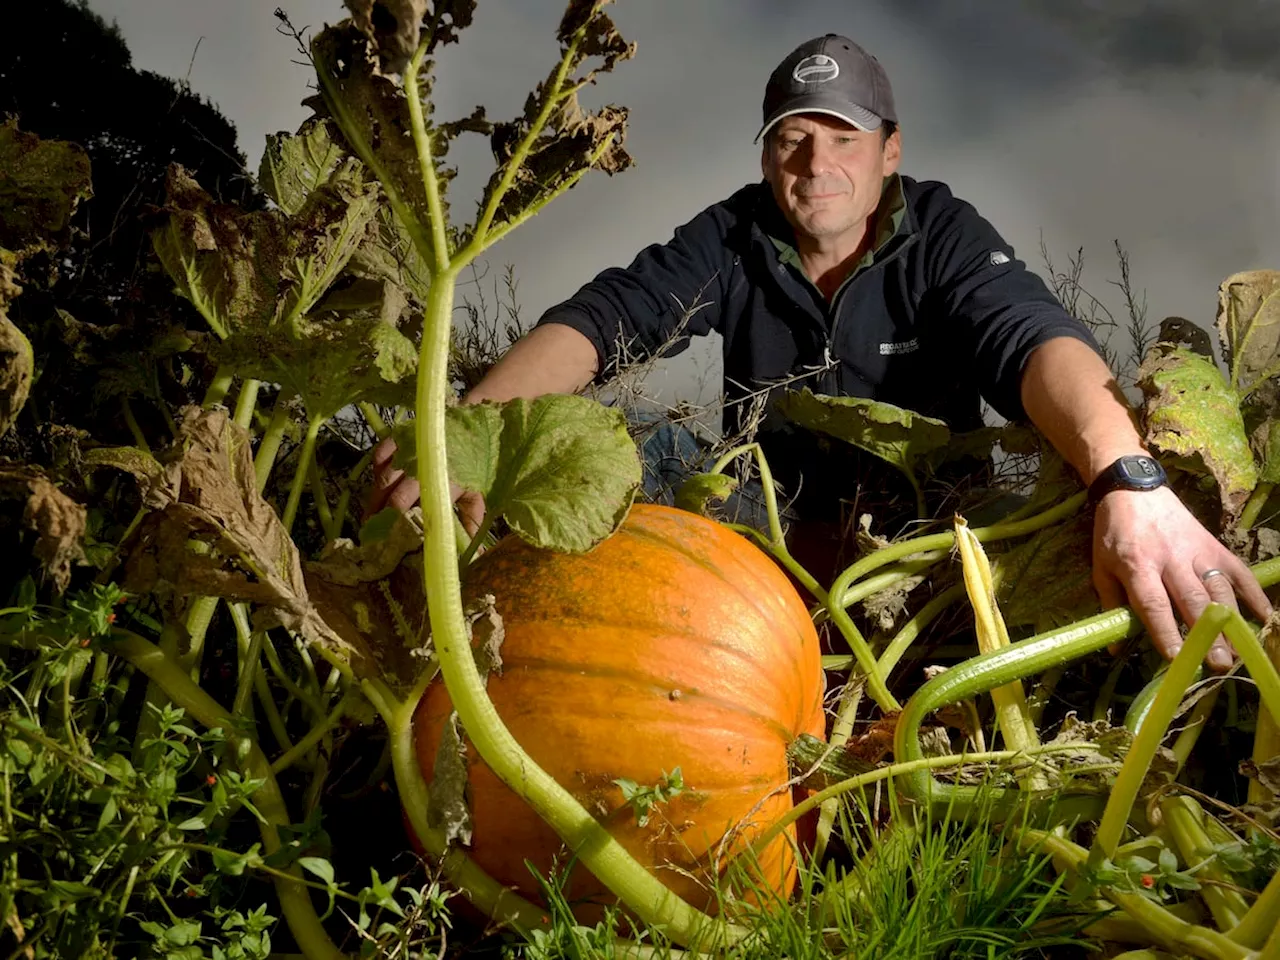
x=829, y=359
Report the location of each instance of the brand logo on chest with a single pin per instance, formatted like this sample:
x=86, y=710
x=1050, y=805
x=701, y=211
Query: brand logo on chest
x=893, y=348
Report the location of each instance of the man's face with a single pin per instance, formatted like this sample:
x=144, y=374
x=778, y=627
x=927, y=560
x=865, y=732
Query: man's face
x=826, y=174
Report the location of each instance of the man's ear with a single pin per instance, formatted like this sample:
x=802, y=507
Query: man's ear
x=764, y=159
x=892, y=152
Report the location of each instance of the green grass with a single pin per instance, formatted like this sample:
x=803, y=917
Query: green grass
x=909, y=890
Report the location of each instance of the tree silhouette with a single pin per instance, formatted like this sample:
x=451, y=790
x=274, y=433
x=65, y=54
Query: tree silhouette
x=66, y=74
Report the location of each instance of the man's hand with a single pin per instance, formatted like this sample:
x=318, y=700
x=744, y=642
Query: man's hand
x=1149, y=550
x=394, y=488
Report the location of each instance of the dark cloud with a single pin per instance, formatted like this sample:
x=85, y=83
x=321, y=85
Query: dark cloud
x=1233, y=36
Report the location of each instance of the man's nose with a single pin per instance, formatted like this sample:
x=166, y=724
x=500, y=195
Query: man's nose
x=816, y=157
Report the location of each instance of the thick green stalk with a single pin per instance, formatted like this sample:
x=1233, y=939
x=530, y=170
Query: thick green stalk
x=269, y=446
x=1260, y=922
x=1256, y=660
x=978, y=675
x=327, y=524
x=251, y=672
x=656, y=905
x=295, y=901
x=246, y=403
x=1183, y=818
x=218, y=387
x=895, y=770
x=1189, y=735
x=300, y=474
x=1253, y=507
x=1031, y=656
x=504, y=906
x=653, y=902
x=1266, y=737
x=1146, y=742
x=139, y=438
x=1164, y=927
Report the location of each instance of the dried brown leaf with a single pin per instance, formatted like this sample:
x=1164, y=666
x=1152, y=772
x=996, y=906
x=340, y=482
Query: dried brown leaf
x=394, y=27
x=17, y=366
x=210, y=533
x=346, y=563
x=41, y=184
x=58, y=521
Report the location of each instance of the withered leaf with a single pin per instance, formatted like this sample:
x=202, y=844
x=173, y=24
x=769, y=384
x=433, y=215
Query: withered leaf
x=574, y=140
x=58, y=521
x=1248, y=325
x=210, y=533
x=344, y=562
x=41, y=184
x=294, y=167
x=447, y=807
x=17, y=366
x=394, y=27
x=1190, y=411
x=886, y=607
x=1047, y=581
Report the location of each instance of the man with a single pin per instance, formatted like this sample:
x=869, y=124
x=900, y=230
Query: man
x=839, y=274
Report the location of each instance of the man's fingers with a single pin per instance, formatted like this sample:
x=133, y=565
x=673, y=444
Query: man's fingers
x=471, y=510
x=1245, y=586
x=404, y=494
x=1150, y=601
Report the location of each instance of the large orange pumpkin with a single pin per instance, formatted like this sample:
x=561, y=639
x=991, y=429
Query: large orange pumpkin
x=674, y=643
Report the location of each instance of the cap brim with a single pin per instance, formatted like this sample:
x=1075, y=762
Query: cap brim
x=851, y=113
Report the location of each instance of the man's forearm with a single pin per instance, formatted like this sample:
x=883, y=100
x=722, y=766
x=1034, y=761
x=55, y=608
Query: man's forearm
x=552, y=358
x=1071, y=395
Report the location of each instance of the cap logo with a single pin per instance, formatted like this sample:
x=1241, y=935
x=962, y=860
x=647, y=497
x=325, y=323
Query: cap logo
x=817, y=68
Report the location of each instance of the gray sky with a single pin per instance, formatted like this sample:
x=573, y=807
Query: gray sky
x=1155, y=122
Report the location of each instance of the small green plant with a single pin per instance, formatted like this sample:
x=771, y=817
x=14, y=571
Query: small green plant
x=642, y=800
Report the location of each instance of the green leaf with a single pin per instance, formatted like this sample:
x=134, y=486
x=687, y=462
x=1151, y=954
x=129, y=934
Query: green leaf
x=234, y=864
x=696, y=493
x=318, y=866
x=1190, y=411
x=294, y=167
x=561, y=469
x=69, y=891
x=898, y=436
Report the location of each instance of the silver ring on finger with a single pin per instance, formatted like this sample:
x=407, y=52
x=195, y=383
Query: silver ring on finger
x=1210, y=574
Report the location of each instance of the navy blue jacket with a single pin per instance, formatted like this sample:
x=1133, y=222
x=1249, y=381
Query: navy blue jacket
x=939, y=318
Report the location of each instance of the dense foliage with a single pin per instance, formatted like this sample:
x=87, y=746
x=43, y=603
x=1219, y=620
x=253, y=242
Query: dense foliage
x=212, y=661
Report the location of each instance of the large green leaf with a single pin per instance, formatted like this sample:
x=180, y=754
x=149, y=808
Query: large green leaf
x=1190, y=411
x=562, y=470
x=896, y=435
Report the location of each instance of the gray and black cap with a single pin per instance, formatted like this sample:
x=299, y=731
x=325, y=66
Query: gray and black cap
x=831, y=75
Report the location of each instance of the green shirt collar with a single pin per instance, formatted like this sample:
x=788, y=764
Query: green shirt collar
x=889, y=215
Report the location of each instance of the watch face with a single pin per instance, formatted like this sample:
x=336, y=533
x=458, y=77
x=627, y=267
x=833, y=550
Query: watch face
x=1140, y=471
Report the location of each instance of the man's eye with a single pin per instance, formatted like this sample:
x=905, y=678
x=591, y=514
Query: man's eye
x=789, y=143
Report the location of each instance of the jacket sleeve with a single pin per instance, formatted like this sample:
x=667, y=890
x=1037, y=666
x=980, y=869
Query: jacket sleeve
x=669, y=293
x=997, y=308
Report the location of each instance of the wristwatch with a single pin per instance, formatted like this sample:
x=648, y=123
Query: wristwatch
x=1132, y=472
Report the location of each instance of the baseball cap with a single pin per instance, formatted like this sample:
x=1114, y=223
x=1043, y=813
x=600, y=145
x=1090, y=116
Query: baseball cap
x=832, y=75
